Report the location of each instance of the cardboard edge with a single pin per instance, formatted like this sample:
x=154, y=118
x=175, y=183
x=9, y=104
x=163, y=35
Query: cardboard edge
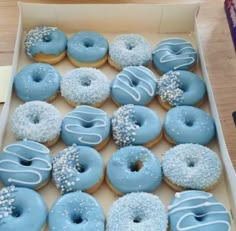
x=228, y=166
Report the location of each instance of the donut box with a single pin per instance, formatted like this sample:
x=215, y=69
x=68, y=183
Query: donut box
x=158, y=22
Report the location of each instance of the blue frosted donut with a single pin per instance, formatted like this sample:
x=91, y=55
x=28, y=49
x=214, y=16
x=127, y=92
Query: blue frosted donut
x=78, y=168
x=134, y=85
x=186, y=124
x=139, y=170
x=85, y=85
x=45, y=44
x=25, y=164
x=21, y=209
x=174, y=54
x=86, y=126
x=129, y=50
x=137, y=211
x=88, y=49
x=191, y=166
x=176, y=88
x=37, y=81
x=37, y=121
x=197, y=210
x=136, y=125
x=76, y=211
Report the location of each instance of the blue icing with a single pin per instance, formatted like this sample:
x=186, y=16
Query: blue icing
x=76, y=211
x=77, y=168
x=37, y=81
x=174, y=54
x=139, y=170
x=87, y=46
x=46, y=40
x=186, y=124
x=86, y=126
x=192, y=166
x=181, y=88
x=135, y=125
x=134, y=85
x=137, y=212
x=25, y=164
x=21, y=209
x=198, y=210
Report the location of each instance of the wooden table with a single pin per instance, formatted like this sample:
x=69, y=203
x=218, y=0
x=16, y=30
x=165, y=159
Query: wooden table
x=215, y=39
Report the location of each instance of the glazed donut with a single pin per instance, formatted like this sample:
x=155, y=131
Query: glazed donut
x=134, y=85
x=174, y=54
x=136, y=125
x=78, y=168
x=37, y=81
x=76, y=211
x=21, y=209
x=45, y=44
x=86, y=126
x=25, y=164
x=197, y=210
x=84, y=85
x=176, y=88
x=37, y=121
x=87, y=49
x=186, y=124
x=129, y=50
x=191, y=166
x=137, y=211
x=139, y=170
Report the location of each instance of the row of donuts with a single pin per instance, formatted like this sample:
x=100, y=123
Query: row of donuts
x=81, y=168
x=90, y=49
x=133, y=85
x=188, y=210
x=129, y=125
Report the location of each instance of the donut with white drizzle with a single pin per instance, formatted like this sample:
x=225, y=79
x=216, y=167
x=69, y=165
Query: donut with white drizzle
x=86, y=126
x=174, y=54
x=134, y=85
x=198, y=211
x=25, y=164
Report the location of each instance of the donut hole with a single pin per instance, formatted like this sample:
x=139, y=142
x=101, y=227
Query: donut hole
x=134, y=83
x=136, y=166
x=138, y=123
x=77, y=219
x=189, y=123
x=88, y=124
x=191, y=164
x=16, y=212
x=47, y=39
x=88, y=43
x=35, y=119
x=199, y=217
x=37, y=77
x=137, y=220
x=82, y=168
x=25, y=162
x=85, y=81
x=129, y=46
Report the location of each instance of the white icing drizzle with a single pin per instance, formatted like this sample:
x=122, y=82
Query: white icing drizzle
x=175, y=208
x=97, y=111
x=103, y=122
x=178, y=56
x=149, y=89
x=43, y=151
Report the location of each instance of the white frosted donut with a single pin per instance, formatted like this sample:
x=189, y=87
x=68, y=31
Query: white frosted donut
x=37, y=121
x=129, y=50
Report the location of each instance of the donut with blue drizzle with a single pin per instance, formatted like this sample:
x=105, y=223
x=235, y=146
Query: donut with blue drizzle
x=25, y=164
x=76, y=211
x=21, y=209
x=45, y=44
x=134, y=85
x=86, y=126
x=129, y=50
x=37, y=81
x=198, y=211
x=136, y=125
x=85, y=86
x=191, y=166
x=176, y=88
x=139, y=170
x=187, y=124
x=87, y=49
x=78, y=168
x=174, y=54
x=137, y=211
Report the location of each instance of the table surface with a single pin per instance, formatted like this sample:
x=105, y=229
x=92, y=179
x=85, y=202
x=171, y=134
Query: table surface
x=215, y=38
